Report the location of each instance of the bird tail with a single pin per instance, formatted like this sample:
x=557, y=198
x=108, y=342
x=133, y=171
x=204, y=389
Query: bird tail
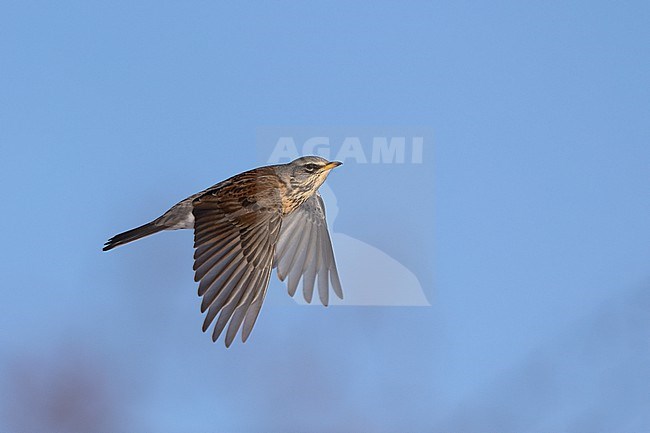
x=132, y=235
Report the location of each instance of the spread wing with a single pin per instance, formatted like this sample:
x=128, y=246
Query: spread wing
x=304, y=250
x=234, y=241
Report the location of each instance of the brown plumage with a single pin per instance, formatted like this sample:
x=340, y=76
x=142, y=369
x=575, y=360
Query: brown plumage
x=265, y=218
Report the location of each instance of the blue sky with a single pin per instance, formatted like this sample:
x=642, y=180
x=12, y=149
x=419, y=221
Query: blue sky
x=527, y=223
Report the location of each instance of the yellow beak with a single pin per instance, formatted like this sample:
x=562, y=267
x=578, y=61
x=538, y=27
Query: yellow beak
x=331, y=165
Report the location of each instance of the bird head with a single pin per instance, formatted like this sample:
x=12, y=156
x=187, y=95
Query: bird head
x=309, y=172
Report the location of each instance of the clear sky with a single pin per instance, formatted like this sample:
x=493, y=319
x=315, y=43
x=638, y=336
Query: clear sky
x=526, y=225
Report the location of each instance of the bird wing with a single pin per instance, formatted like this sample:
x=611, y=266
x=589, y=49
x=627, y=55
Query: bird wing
x=234, y=241
x=304, y=250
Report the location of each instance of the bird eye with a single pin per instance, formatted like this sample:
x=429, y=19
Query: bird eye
x=310, y=167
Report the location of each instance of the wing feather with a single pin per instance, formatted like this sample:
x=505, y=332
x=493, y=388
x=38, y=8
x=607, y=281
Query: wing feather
x=254, y=310
x=290, y=243
x=304, y=252
x=234, y=241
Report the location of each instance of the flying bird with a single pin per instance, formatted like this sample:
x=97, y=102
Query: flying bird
x=261, y=219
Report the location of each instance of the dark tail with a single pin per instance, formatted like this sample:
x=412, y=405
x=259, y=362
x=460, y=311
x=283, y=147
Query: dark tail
x=132, y=235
